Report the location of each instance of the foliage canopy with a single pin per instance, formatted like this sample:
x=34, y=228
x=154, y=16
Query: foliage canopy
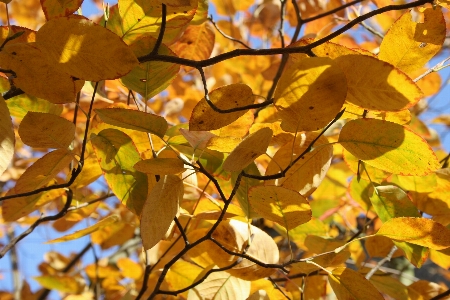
x=252, y=157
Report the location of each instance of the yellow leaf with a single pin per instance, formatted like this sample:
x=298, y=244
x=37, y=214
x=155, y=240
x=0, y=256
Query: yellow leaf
x=409, y=45
x=284, y=206
x=182, y=274
x=197, y=42
x=204, y=117
x=84, y=49
x=27, y=36
x=174, y=2
x=388, y=146
x=310, y=93
x=220, y=285
x=160, y=166
x=420, y=184
x=248, y=150
x=223, y=144
x=43, y=170
x=150, y=78
x=350, y=285
x=44, y=130
x=307, y=173
x=83, y=232
x=61, y=283
x=327, y=260
x=238, y=128
x=390, y=286
x=161, y=207
x=235, y=235
x=418, y=231
x=133, y=119
x=423, y=289
x=7, y=138
x=130, y=268
x=352, y=162
x=57, y=8
x=117, y=155
x=370, y=92
x=91, y=172
x=132, y=20
x=34, y=72
x=380, y=246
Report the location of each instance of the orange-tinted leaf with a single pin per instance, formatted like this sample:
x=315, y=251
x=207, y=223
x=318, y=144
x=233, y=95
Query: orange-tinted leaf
x=196, y=43
x=134, y=119
x=419, y=231
x=55, y=8
x=307, y=173
x=284, y=206
x=84, y=49
x=409, y=45
x=117, y=155
x=7, y=138
x=390, y=286
x=44, y=130
x=248, y=150
x=388, y=146
x=370, y=92
x=351, y=285
x=204, y=117
x=130, y=268
x=220, y=285
x=34, y=72
x=150, y=78
x=22, y=206
x=43, y=170
x=161, y=207
x=83, y=232
x=327, y=260
x=27, y=36
x=175, y=2
x=161, y=166
x=310, y=93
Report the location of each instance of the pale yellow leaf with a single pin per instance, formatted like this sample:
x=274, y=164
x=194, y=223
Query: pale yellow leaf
x=7, y=138
x=351, y=285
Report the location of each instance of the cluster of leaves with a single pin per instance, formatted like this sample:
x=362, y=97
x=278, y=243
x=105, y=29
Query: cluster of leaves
x=297, y=159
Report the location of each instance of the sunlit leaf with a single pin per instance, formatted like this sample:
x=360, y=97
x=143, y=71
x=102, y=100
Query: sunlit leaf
x=388, y=146
x=419, y=231
x=161, y=207
x=310, y=93
x=284, y=206
x=248, y=150
x=117, y=155
x=220, y=285
x=133, y=119
x=83, y=232
x=44, y=130
x=84, y=50
x=7, y=138
x=61, y=283
x=182, y=274
x=130, y=268
x=369, y=92
x=348, y=285
x=204, y=117
x=409, y=45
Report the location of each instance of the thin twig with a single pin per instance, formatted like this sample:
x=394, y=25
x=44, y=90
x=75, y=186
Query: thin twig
x=183, y=233
x=381, y=262
x=210, y=19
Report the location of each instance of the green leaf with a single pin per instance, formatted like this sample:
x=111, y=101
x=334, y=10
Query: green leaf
x=117, y=155
x=133, y=119
x=388, y=146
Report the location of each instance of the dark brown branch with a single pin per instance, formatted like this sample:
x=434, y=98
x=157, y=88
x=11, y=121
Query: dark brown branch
x=59, y=215
x=330, y=12
x=275, y=51
x=162, y=29
x=442, y=295
x=182, y=232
